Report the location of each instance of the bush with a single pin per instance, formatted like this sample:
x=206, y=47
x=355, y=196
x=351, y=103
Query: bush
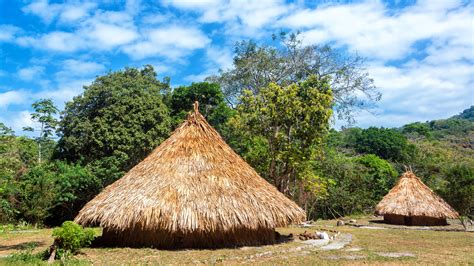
x=70, y=237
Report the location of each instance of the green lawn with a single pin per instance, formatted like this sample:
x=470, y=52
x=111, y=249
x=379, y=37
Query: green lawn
x=425, y=246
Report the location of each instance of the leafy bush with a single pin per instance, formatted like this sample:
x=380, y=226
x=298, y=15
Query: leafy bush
x=70, y=237
x=26, y=257
x=53, y=192
x=357, y=184
x=386, y=143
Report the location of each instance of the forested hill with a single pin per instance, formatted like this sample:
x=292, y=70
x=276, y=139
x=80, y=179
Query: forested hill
x=459, y=128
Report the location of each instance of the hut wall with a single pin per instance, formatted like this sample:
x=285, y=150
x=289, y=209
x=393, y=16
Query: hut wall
x=394, y=219
x=428, y=221
x=413, y=220
x=166, y=240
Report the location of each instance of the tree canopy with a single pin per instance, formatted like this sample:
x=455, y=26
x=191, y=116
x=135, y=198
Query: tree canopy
x=289, y=61
x=116, y=121
x=291, y=121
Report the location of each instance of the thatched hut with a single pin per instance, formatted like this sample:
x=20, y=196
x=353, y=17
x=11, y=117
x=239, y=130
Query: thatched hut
x=411, y=202
x=193, y=191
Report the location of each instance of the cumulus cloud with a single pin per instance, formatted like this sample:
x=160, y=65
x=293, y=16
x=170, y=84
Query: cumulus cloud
x=11, y=97
x=241, y=18
x=371, y=29
x=8, y=32
x=172, y=42
x=68, y=12
x=30, y=73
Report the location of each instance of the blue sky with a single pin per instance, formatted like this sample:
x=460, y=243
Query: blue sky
x=420, y=53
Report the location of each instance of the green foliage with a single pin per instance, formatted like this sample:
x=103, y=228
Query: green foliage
x=467, y=114
x=357, y=184
x=384, y=142
x=16, y=154
x=44, y=114
x=379, y=175
x=54, y=192
x=211, y=103
x=292, y=121
x=26, y=257
x=70, y=237
x=460, y=188
x=121, y=114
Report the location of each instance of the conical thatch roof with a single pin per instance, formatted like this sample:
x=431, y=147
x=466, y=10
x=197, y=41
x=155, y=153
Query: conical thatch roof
x=411, y=197
x=193, y=183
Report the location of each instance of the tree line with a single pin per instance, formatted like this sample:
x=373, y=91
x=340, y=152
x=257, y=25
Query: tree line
x=275, y=109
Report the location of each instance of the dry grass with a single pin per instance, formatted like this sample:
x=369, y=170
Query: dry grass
x=428, y=247
x=410, y=197
x=192, y=186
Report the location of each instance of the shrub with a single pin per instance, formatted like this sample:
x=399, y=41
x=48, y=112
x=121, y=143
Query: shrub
x=70, y=237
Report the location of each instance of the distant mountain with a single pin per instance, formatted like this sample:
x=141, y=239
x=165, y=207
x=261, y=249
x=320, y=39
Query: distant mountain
x=459, y=128
x=466, y=114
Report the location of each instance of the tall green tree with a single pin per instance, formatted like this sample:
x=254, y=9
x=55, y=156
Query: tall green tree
x=288, y=61
x=290, y=122
x=44, y=113
x=211, y=103
x=116, y=121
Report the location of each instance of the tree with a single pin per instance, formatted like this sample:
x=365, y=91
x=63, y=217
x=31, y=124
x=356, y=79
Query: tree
x=290, y=121
x=118, y=119
x=289, y=61
x=211, y=103
x=44, y=113
x=379, y=175
x=384, y=142
x=50, y=193
x=459, y=188
x=5, y=131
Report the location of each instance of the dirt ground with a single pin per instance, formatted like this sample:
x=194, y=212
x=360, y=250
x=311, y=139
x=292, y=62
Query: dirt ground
x=371, y=242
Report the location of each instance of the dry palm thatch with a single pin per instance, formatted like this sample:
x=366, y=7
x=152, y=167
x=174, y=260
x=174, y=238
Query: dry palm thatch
x=412, y=198
x=191, y=191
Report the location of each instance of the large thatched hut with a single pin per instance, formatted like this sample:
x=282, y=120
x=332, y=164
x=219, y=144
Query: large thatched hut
x=191, y=191
x=410, y=202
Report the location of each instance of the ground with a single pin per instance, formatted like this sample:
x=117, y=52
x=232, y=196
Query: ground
x=376, y=244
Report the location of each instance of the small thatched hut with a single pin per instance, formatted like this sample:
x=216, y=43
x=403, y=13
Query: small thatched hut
x=410, y=202
x=192, y=191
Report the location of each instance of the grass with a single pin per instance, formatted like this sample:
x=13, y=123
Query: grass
x=427, y=246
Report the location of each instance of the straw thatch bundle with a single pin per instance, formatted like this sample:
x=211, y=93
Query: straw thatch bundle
x=411, y=202
x=191, y=191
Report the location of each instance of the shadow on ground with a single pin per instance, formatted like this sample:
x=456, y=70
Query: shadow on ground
x=22, y=246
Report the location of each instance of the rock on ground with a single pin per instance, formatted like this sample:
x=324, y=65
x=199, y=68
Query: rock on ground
x=395, y=254
x=339, y=243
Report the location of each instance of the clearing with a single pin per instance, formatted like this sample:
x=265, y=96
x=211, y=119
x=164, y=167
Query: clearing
x=374, y=243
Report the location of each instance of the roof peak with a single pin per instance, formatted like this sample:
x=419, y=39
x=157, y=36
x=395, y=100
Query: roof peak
x=196, y=107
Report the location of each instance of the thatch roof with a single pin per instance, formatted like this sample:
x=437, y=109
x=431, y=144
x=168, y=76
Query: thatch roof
x=411, y=197
x=192, y=183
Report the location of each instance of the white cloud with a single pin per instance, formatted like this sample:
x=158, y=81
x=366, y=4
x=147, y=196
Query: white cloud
x=59, y=41
x=192, y=4
x=220, y=57
x=75, y=12
x=240, y=17
x=78, y=68
x=369, y=28
x=104, y=35
x=30, y=73
x=43, y=9
x=172, y=42
x=11, y=97
x=68, y=12
x=8, y=32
